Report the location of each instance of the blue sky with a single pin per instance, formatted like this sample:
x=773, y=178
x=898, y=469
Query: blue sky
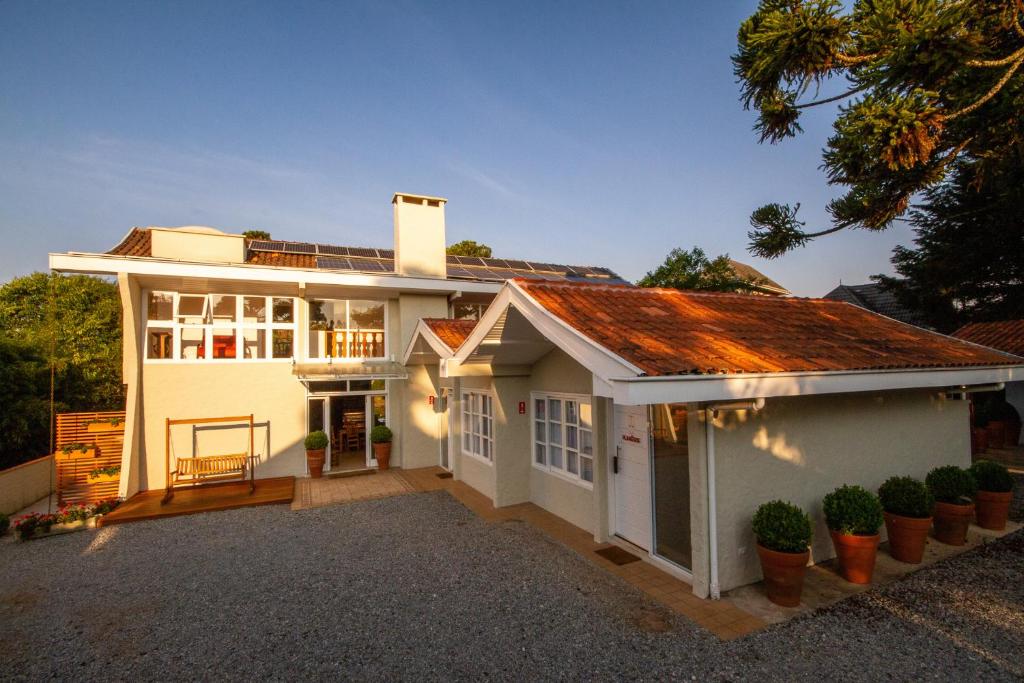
x=589, y=133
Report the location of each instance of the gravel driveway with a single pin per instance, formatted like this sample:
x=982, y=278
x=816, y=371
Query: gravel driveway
x=417, y=587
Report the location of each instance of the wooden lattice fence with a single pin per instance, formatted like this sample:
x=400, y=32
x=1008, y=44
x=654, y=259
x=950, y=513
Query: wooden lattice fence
x=104, y=433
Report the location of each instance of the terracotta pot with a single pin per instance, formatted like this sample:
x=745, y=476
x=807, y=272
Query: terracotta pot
x=993, y=509
x=996, y=433
x=856, y=555
x=979, y=440
x=907, y=537
x=783, y=575
x=952, y=521
x=382, y=451
x=315, y=462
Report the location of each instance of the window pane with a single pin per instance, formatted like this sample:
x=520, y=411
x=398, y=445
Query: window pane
x=554, y=433
x=466, y=311
x=487, y=448
x=359, y=385
x=160, y=305
x=324, y=317
x=159, y=343
x=570, y=462
x=223, y=343
x=538, y=408
x=540, y=432
x=377, y=385
x=254, y=309
x=191, y=309
x=571, y=417
x=539, y=454
x=585, y=415
x=586, y=442
x=254, y=343
x=586, y=469
x=555, y=453
x=223, y=308
x=476, y=444
x=485, y=426
x=487, y=406
x=283, y=343
x=571, y=440
x=192, y=343
x=555, y=410
x=366, y=318
x=283, y=311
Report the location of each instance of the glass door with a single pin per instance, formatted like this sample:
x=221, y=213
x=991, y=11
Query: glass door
x=316, y=419
x=671, y=484
x=377, y=414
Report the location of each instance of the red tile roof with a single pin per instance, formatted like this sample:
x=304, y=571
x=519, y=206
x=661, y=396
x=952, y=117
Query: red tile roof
x=1005, y=335
x=268, y=258
x=669, y=332
x=138, y=242
x=451, y=332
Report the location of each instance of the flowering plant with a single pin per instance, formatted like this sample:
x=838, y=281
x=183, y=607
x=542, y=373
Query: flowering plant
x=27, y=525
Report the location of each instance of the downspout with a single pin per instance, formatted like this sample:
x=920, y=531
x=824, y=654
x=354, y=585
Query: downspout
x=710, y=411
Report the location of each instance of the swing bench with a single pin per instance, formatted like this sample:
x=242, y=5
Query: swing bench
x=206, y=469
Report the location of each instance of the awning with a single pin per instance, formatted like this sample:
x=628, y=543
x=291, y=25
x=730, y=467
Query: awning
x=341, y=370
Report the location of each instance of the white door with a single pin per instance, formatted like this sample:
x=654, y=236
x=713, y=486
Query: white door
x=631, y=472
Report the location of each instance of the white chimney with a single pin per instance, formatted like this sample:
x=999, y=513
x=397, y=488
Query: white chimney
x=419, y=235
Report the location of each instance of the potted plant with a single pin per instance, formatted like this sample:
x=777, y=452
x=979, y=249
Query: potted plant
x=907, y=503
x=380, y=437
x=73, y=451
x=316, y=444
x=104, y=474
x=783, y=534
x=108, y=424
x=952, y=487
x=854, y=515
x=994, y=494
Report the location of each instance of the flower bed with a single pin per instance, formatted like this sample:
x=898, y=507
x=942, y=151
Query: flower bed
x=68, y=518
x=101, y=474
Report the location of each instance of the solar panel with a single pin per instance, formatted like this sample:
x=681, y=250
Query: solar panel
x=266, y=245
x=362, y=251
x=495, y=263
x=519, y=265
x=455, y=271
x=333, y=263
x=299, y=248
x=386, y=253
x=368, y=264
x=331, y=249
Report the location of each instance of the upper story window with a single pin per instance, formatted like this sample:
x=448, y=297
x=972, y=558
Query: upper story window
x=347, y=328
x=465, y=311
x=202, y=327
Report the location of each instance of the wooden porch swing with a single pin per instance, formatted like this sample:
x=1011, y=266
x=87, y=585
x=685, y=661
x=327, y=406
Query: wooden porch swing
x=206, y=469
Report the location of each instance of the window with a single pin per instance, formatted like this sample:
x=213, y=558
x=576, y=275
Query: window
x=478, y=425
x=563, y=436
x=200, y=327
x=462, y=311
x=340, y=328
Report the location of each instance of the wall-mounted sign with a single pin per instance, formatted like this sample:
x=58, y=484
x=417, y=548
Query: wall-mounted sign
x=632, y=438
x=430, y=400
x=522, y=407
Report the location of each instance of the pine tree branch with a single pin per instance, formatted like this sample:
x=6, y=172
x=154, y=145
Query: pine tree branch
x=997, y=62
x=843, y=96
x=854, y=60
x=991, y=93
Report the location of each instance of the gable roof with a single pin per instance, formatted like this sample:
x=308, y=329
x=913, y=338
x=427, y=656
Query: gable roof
x=1005, y=335
x=451, y=332
x=670, y=332
x=876, y=298
x=311, y=256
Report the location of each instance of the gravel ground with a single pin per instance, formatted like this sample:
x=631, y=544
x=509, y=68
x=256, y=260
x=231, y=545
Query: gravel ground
x=416, y=587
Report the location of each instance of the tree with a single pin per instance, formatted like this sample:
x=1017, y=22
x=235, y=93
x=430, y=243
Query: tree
x=968, y=264
x=82, y=315
x=469, y=248
x=256, y=234
x=692, y=269
x=931, y=82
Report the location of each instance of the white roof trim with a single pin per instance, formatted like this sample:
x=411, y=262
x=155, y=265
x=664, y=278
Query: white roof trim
x=428, y=334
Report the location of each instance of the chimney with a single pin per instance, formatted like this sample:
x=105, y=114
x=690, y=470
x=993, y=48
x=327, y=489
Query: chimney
x=419, y=235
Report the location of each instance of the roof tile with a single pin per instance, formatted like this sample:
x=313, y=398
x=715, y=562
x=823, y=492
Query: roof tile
x=451, y=332
x=1005, y=335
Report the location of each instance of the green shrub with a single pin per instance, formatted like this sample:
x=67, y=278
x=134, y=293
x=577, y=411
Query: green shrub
x=782, y=527
x=951, y=484
x=991, y=476
x=907, y=497
x=853, y=510
x=316, y=441
x=5, y=523
x=381, y=434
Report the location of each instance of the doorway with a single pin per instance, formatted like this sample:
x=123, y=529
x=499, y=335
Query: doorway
x=347, y=419
x=631, y=473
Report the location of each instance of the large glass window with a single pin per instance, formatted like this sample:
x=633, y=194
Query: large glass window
x=671, y=483
x=478, y=425
x=340, y=328
x=196, y=327
x=563, y=436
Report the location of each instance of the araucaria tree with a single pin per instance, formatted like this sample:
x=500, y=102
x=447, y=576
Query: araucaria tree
x=929, y=83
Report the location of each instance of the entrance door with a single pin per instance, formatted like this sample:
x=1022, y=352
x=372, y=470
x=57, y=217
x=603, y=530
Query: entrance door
x=632, y=476
x=349, y=433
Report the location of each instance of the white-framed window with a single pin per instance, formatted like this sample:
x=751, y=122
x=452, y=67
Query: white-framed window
x=478, y=424
x=563, y=436
x=219, y=327
x=347, y=329
x=464, y=311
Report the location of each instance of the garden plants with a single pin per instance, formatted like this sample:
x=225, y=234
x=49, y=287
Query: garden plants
x=380, y=437
x=854, y=515
x=908, y=517
x=783, y=534
x=953, y=488
x=994, y=494
x=316, y=446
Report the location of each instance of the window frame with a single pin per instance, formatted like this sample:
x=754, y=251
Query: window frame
x=466, y=415
x=348, y=330
x=562, y=471
x=238, y=327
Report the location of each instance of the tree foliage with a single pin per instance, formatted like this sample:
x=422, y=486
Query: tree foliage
x=83, y=318
x=469, y=248
x=968, y=260
x=256, y=234
x=693, y=269
x=929, y=82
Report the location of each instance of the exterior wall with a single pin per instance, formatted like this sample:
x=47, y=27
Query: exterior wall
x=131, y=374
x=24, y=484
x=413, y=420
x=511, y=441
x=185, y=244
x=800, y=449
x=467, y=468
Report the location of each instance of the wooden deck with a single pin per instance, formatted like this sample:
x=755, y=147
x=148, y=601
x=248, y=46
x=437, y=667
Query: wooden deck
x=210, y=498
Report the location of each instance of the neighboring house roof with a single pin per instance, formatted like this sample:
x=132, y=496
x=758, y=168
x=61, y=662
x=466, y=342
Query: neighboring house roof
x=764, y=283
x=876, y=298
x=671, y=332
x=451, y=332
x=1005, y=335
x=310, y=256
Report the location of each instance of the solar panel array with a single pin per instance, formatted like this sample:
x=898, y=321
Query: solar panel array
x=368, y=259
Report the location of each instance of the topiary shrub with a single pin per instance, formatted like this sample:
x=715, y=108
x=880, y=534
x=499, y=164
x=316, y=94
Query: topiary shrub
x=782, y=527
x=380, y=434
x=853, y=510
x=316, y=441
x=991, y=476
x=906, y=497
x=951, y=484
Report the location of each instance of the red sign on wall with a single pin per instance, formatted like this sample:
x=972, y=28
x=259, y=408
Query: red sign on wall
x=522, y=407
x=430, y=400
